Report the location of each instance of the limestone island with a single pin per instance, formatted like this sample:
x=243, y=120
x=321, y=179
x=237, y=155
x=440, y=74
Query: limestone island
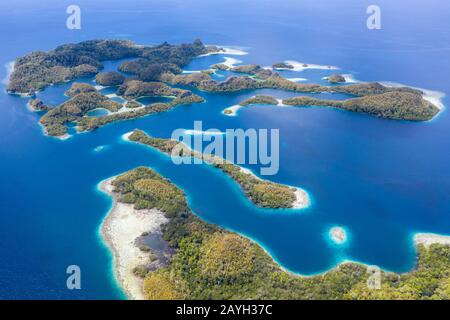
x=261, y=192
x=109, y=79
x=37, y=105
x=153, y=70
x=220, y=66
x=255, y=100
x=197, y=260
x=335, y=78
x=403, y=104
x=38, y=70
x=397, y=103
x=282, y=66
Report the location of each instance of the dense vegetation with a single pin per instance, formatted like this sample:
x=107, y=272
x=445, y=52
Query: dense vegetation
x=157, y=60
x=111, y=78
x=335, y=78
x=73, y=110
x=37, y=70
x=191, y=79
x=220, y=66
x=267, y=79
x=211, y=263
x=403, y=104
x=85, y=98
x=263, y=193
x=132, y=104
x=146, y=190
x=91, y=123
x=134, y=89
x=259, y=99
x=391, y=105
x=251, y=69
x=282, y=65
x=37, y=104
x=79, y=87
x=158, y=64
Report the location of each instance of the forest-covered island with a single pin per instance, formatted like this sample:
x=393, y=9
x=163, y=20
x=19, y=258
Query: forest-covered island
x=211, y=263
x=154, y=70
x=207, y=261
x=261, y=192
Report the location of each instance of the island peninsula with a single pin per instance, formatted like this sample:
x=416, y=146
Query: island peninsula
x=208, y=262
x=261, y=192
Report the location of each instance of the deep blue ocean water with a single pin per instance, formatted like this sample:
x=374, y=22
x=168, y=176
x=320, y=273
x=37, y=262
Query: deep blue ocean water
x=381, y=180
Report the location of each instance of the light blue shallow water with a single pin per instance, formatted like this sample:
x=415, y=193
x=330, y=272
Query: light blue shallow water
x=380, y=180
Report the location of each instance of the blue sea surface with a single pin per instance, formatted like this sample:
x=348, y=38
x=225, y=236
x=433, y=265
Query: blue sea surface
x=381, y=180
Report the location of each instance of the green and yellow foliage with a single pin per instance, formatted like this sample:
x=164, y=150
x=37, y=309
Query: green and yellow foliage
x=211, y=263
x=147, y=190
x=226, y=258
x=37, y=70
x=75, y=109
x=161, y=285
x=263, y=193
x=259, y=99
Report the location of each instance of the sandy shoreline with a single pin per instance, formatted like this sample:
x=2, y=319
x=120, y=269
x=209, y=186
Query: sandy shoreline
x=225, y=50
x=300, y=66
x=119, y=230
x=302, y=200
x=231, y=111
x=123, y=224
x=434, y=97
x=428, y=239
x=9, y=70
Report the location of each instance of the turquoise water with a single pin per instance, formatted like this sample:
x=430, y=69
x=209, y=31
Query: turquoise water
x=380, y=180
x=98, y=112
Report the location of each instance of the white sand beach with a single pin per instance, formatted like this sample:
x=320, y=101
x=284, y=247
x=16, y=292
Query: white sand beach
x=126, y=136
x=126, y=109
x=297, y=79
x=232, y=111
x=338, y=235
x=300, y=66
x=235, y=51
x=64, y=137
x=99, y=87
x=349, y=78
x=428, y=239
x=281, y=104
x=196, y=71
x=119, y=230
x=209, y=132
x=434, y=97
x=226, y=50
x=302, y=200
x=30, y=108
x=231, y=62
x=9, y=70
